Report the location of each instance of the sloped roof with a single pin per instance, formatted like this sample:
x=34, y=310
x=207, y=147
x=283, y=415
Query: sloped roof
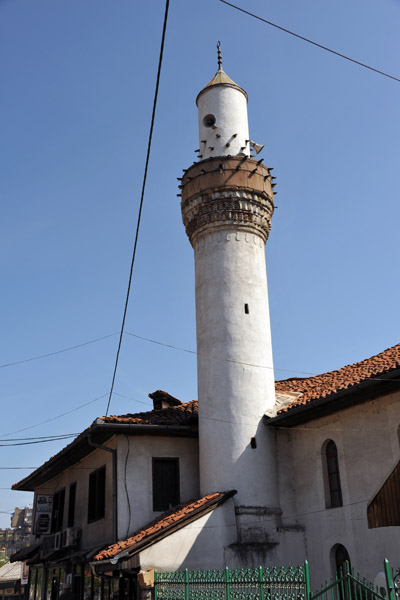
x=183, y=414
x=310, y=391
x=165, y=524
x=220, y=78
x=326, y=384
x=11, y=572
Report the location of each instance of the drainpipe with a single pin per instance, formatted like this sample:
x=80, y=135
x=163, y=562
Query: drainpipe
x=114, y=477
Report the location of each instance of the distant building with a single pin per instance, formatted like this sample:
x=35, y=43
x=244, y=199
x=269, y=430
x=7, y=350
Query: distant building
x=18, y=535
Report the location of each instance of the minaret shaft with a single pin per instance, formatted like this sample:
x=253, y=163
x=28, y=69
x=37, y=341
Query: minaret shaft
x=227, y=205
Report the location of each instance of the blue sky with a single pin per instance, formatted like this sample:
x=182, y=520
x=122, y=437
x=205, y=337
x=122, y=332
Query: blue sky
x=77, y=82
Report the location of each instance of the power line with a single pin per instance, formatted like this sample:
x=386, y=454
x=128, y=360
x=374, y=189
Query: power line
x=41, y=437
x=20, y=362
x=39, y=441
x=141, y=200
x=217, y=357
x=301, y=37
x=130, y=398
x=57, y=416
x=377, y=378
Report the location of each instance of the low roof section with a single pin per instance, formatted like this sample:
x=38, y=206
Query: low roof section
x=166, y=524
x=176, y=418
x=332, y=391
x=10, y=573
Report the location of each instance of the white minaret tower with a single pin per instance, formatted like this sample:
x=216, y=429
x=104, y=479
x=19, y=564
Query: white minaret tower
x=227, y=205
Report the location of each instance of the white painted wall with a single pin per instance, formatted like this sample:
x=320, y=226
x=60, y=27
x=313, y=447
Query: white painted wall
x=199, y=545
x=229, y=106
x=98, y=531
x=234, y=394
x=366, y=437
x=135, y=455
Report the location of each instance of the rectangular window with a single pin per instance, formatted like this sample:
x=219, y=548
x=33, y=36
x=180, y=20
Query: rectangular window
x=165, y=483
x=57, y=517
x=97, y=495
x=71, y=504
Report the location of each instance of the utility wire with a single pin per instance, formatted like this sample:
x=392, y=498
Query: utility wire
x=300, y=37
x=39, y=441
x=130, y=398
x=141, y=200
x=244, y=363
x=217, y=357
x=42, y=437
x=19, y=362
x=57, y=416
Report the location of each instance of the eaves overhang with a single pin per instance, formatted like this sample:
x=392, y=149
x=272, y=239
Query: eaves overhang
x=368, y=389
x=81, y=447
x=127, y=553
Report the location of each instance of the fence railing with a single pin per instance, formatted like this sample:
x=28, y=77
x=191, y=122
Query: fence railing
x=271, y=583
x=263, y=583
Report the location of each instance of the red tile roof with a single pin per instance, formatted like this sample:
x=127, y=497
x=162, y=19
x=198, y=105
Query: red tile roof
x=166, y=523
x=183, y=414
x=322, y=386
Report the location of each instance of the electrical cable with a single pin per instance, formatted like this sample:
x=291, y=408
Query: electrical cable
x=126, y=486
x=19, y=362
x=42, y=437
x=134, y=399
x=217, y=357
x=301, y=37
x=57, y=416
x=141, y=200
x=311, y=374
x=39, y=441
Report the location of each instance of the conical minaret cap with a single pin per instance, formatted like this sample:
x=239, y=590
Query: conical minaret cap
x=220, y=79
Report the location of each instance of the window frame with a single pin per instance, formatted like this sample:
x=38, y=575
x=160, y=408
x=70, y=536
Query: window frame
x=71, y=506
x=57, y=514
x=332, y=480
x=97, y=504
x=157, y=505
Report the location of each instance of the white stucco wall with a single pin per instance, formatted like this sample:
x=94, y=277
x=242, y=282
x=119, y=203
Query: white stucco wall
x=229, y=106
x=100, y=530
x=367, y=441
x=199, y=545
x=135, y=454
x=235, y=367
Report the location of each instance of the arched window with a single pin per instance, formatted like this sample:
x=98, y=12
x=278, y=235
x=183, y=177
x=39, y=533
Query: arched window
x=333, y=488
x=341, y=556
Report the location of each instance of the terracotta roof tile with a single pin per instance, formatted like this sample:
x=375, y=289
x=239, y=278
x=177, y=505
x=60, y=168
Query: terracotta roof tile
x=167, y=521
x=183, y=414
x=322, y=386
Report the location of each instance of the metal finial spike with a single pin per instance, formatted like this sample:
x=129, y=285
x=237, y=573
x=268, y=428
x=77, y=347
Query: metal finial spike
x=219, y=56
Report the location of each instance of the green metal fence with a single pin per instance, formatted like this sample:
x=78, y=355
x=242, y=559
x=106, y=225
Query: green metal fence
x=349, y=585
x=396, y=583
x=263, y=583
x=271, y=583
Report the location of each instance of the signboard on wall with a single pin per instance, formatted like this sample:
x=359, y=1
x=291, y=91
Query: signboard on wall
x=43, y=510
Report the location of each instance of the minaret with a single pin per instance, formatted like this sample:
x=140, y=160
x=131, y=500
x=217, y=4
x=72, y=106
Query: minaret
x=227, y=205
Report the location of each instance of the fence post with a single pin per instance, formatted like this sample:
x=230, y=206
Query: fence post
x=186, y=584
x=389, y=580
x=155, y=585
x=307, y=578
x=260, y=579
x=228, y=586
x=347, y=582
